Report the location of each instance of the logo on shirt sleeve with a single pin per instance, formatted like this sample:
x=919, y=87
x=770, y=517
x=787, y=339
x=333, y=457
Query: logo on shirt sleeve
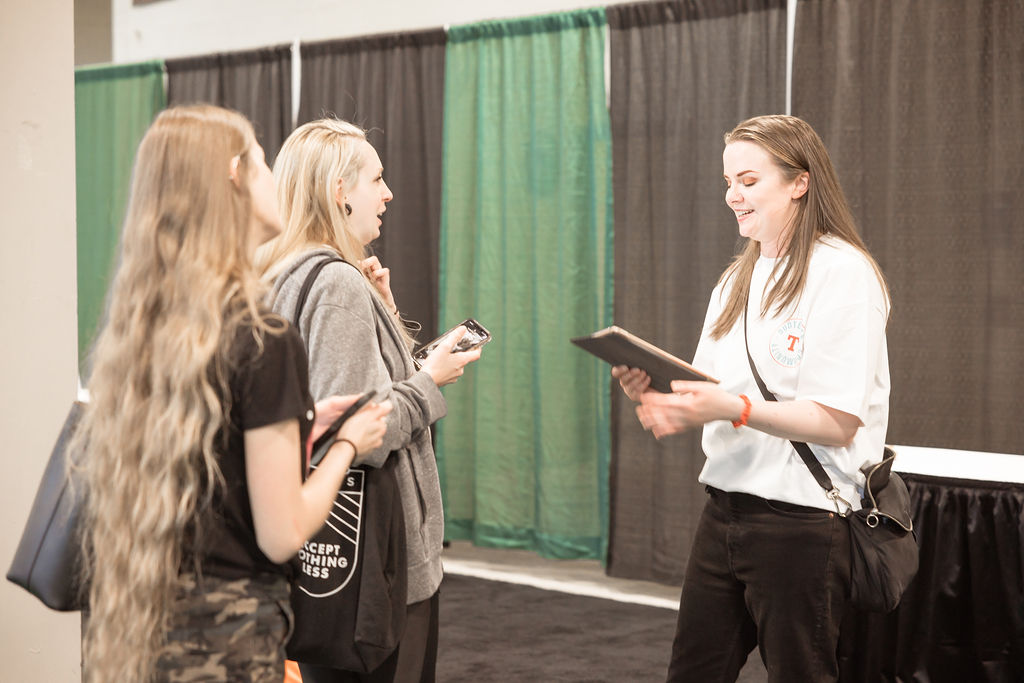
x=787, y=343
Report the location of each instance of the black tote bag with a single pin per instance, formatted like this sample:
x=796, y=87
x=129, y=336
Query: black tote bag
x=349, y=585
x=47, y=562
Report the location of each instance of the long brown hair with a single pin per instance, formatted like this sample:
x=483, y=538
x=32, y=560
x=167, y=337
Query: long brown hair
x=158, y=387
x=823, y=210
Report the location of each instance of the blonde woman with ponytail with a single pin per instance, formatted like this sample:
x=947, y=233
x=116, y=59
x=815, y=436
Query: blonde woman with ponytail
x=332, y=195
x=198, y=416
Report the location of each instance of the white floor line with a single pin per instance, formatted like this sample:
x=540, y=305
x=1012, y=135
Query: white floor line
x=479, y=571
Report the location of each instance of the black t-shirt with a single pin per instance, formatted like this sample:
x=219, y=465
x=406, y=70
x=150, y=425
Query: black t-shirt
x=267, y=386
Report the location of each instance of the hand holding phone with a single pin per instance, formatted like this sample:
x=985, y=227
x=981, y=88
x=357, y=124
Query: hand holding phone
x=444, y=365
x=326, y=440
x=476, y=335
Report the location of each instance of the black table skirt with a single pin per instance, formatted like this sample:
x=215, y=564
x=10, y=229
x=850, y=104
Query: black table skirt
x=962, y=618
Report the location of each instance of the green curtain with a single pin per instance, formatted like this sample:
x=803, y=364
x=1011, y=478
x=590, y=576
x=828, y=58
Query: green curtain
x=526, y=248
x=114, y=106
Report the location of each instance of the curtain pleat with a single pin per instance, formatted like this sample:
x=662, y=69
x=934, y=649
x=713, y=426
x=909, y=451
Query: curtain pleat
x=682, y=75
x=526, y=249
x=392, y=85
x=256, y=83
x=114, y=106
x=920, y=106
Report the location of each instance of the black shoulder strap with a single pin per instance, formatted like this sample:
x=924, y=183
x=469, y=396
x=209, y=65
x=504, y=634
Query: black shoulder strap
x=802, y=448
x=308, y=284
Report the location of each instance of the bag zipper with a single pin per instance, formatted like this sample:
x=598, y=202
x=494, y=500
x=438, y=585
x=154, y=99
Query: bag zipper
x=872, y=520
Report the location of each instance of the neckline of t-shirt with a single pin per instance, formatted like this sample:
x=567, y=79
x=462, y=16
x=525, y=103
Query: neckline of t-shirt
x=830, y=240
x=769, y=260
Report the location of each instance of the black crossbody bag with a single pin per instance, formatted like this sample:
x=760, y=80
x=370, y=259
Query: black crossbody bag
x=883, y=547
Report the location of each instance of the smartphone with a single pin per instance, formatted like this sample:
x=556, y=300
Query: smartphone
x=476, y=335
x=326, y=440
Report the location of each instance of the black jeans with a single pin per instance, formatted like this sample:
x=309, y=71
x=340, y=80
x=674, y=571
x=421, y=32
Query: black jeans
x=762, y=573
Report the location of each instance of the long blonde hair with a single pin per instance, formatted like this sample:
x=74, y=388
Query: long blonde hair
x=823, y=210
x=315, y=158
x=158, y=387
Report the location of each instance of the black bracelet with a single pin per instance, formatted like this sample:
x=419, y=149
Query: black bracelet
x=355, y=451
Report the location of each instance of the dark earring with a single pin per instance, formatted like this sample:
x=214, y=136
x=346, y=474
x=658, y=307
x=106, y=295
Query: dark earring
x=348, y=209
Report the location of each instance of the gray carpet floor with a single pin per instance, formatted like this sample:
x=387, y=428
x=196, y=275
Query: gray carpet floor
x=496, y=632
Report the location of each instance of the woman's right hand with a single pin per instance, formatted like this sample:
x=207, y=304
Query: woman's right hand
x=445, y=367
x=366, y=428
x=634, y=381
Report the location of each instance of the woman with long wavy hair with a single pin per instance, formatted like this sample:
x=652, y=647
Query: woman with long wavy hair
x=196, y=427
x=332, y=194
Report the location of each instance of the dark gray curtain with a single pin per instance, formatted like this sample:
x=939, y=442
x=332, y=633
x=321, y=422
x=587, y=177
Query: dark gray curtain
x=257, y=83
x=393, y=86
x=682, y=75
x=921, y=104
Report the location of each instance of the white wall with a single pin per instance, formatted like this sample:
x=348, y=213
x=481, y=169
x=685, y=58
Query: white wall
x=176, y=28
x=38, y=340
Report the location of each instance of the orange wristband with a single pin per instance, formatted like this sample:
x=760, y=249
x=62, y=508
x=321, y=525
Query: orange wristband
x=745, y=415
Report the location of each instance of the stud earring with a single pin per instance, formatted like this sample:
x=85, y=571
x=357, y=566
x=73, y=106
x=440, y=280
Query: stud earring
x=348, y=209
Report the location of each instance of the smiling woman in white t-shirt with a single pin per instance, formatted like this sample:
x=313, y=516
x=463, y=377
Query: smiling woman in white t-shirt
x=770, y=563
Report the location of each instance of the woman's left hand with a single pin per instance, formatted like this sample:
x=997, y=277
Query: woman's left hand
x=381, y=279
x=691, y=404
x=329, y=410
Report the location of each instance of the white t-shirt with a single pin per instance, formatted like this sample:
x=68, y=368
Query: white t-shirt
x=829, y=348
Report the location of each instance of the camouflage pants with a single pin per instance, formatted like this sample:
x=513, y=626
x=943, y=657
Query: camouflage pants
x=225, y=630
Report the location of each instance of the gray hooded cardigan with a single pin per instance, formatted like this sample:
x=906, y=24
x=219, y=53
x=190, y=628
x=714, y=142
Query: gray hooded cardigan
x=354, y=345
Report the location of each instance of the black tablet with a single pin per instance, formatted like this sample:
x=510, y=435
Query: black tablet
x=616, y=346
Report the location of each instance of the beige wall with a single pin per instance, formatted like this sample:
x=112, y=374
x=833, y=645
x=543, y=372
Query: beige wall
x=38, y=375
